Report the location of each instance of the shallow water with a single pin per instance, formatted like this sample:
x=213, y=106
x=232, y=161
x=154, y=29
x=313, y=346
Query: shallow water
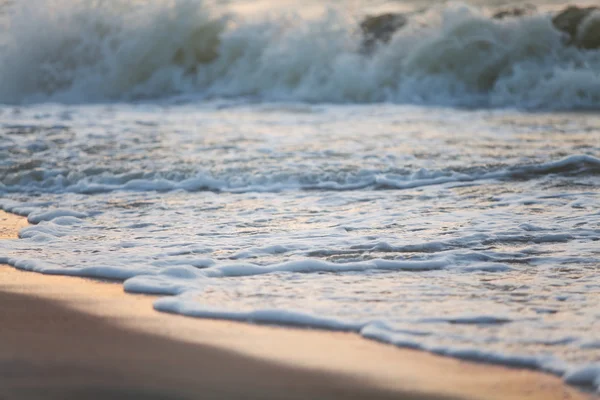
x=470, y=231
x=275, y=191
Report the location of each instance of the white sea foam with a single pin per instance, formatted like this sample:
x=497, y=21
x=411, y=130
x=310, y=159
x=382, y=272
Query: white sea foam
x=321, y=266
x=35, y=218
x=77, y=51
x=283, y=317
x=106, y=182
x=469, y=233
x=382, y=333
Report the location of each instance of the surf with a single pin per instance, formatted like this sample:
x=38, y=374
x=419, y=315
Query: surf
x=452, y=55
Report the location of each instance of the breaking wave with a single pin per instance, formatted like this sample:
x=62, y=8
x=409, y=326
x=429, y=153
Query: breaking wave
x=94, y=51
x=36, y=180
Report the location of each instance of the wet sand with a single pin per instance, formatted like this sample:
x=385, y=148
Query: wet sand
x=74, y=338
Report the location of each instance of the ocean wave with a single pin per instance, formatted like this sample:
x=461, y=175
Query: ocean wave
x=78, y=51
x=40, y=180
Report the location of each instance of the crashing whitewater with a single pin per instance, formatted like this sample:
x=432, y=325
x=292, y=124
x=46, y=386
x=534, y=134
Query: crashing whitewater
x=80, y=51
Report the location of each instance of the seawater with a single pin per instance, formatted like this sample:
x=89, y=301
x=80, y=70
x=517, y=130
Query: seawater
x=441, y=192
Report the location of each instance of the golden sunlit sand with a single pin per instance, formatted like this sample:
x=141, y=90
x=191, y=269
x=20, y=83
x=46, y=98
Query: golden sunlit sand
x=74, y=338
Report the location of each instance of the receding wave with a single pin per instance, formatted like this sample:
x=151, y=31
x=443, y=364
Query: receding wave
x=78, y=51
x=61, y=181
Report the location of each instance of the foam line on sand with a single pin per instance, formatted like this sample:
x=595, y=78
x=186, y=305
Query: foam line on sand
x=74, y=338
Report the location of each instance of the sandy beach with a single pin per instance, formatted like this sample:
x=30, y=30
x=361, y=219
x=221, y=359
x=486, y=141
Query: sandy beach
x=74, y=338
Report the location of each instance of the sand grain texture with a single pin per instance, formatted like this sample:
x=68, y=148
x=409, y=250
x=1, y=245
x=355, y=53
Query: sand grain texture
x=73, y=338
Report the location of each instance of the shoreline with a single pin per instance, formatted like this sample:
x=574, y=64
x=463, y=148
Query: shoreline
x=109, y=343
